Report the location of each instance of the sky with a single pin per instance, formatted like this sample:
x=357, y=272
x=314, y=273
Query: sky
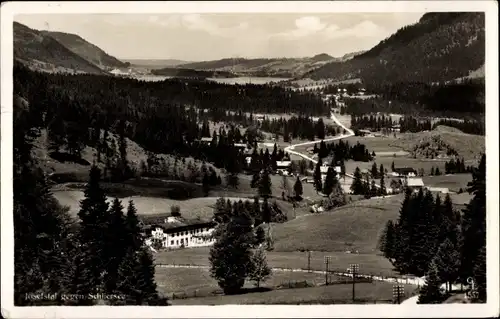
x=208, y=36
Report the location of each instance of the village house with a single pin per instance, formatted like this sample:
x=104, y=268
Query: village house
x=283, y=167
x=404, y=171
x=187, y=236
x=415, y=184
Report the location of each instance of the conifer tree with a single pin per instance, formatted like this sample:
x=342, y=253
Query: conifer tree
x=266, y=212
x=374, y=170
x=255, y=179
x=94, y=218
x=265, y=184
x=447, y=261
x=260, y=236
x=230, y=256
x=206, y=184
x=373, y=189
x=329, y=181
x=431, y=291
x=134, y=236
x=357, y=187
x=145, y=288
x=256, y=213
x=116, y=243
x=318, y=183
x=474, y=222
x=387, y=240
x=479, y=275
x=383, y=190
x=259, y=270
x=297, y=188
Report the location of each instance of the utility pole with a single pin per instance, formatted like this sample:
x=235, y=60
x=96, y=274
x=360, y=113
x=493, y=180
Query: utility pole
x=354, y=269
x=327, y=262
x=309, y=261
x=397, y=292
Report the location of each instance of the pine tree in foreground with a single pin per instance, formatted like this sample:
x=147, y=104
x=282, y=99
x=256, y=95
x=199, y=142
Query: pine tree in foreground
x=260, y=271
x=94, y=216
x=431, y=291
x=230, y=256
x=479, y=275
x=116, y=244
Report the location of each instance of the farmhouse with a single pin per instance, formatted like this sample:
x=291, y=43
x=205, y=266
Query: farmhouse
x=193, y=235
x=283, y=167
x=404, y=171
x=414, y=184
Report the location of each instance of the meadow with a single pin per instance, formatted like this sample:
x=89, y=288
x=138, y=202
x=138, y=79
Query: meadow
x=366, y=293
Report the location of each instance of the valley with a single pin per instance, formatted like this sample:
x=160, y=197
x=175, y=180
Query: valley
x=254, y=180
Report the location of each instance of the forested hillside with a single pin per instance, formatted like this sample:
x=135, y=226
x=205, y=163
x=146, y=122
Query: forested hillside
x=78, y=110
x=86, y=50
x=440, y=47
x=43, y=52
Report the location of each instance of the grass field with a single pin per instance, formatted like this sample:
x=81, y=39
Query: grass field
x=453, y=182
x=340, y=294
x=369, y=263
x=198, y=280
x=194, y=208
x=356, y=226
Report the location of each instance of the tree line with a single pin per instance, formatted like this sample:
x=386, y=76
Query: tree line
x=466, y=126
x=431, y=238
x=343, y=151
x=301, y=127
x=79, y=110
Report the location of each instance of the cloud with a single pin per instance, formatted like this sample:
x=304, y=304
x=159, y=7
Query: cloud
x=198, y=23
x=304, y=26
x=364, y=29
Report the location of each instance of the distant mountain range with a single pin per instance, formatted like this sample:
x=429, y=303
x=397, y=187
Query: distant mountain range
x=155, y=63
x=439, y=47
x=266, y=67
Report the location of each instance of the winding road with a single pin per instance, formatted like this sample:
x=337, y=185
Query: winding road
x=290, y=149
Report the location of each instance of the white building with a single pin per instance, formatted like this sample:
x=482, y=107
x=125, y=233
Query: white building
x=283, y=167
x=414, y=183
x=195, y=235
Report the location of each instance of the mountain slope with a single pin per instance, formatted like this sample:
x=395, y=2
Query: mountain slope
x=86, y=50
x=439, y=47
x=278, y=67
x=42, y=52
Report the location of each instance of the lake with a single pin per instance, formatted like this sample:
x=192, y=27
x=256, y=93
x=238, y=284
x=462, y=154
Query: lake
x=238, y=80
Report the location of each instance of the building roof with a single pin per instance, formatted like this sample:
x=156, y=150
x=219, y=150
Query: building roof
x=324, y=169
x=174, y=228
x=283, y=163
x=415, y=182
x=206, y=139
x=404, y=170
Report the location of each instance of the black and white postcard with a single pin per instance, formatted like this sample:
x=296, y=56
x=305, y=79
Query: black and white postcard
x=249, y=159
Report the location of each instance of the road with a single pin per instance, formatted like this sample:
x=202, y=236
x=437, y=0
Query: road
x=290, y=149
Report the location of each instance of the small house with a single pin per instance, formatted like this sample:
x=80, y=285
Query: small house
x=283, y=167
x=414, y=183
x=404, y=171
